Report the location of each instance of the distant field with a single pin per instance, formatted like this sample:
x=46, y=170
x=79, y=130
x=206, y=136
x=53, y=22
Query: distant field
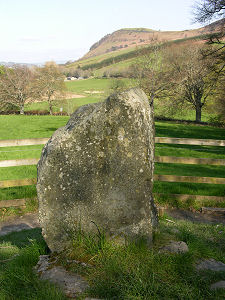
x=93, y=90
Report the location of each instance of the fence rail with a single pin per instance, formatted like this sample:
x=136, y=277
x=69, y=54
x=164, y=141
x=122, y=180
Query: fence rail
x=191, y=179
x=159, y=159
x=19, y=182
x=12, y=203
x=180, y=197
x=160, y=140
x=189, y=160
x=23, y=142
x=157, y=177
x=187, y=141
x=183, y=197
x=18, y=162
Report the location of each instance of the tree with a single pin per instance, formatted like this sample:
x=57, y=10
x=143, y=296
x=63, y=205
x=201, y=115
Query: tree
x=206, y=10
x=153, y=74
x=196, y=77
x=16, y=87
x=50, y=83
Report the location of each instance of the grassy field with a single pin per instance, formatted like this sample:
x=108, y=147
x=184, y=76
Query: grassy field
x=12, y=127
x=94, y=90
x=120, y=272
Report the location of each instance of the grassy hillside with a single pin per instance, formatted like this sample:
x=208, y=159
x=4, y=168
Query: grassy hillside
x=130, y=37
x=122, y=44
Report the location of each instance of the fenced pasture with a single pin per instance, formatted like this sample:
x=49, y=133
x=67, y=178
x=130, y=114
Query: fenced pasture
x=189, y=180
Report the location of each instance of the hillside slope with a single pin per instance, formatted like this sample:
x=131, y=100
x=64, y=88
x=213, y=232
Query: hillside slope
x=131, y=37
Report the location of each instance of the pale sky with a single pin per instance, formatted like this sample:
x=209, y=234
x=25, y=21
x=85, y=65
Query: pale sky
x=35, y=31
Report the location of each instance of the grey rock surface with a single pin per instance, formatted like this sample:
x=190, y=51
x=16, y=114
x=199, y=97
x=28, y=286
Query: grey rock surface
x=71, y=284
x=210, y=264
x=97, y=171
x=218, y=285
x=175, y=247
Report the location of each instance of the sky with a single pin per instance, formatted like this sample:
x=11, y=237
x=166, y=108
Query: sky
x=35, y=31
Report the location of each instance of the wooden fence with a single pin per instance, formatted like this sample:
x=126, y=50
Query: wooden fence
x=157, y=177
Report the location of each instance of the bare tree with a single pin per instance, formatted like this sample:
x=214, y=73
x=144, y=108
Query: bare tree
x=50, y=83
x=16, y=87
x=153, y=74
x=206, y=10
x=196, y=77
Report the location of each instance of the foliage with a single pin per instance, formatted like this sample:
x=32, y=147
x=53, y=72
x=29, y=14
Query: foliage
x=118, y=86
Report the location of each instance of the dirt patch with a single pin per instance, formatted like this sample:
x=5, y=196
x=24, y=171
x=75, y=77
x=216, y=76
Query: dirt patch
x=70, y=96
x=29, y=221
x=61, y=97
x=18, y=223
x=197, y=217
x=94, y=92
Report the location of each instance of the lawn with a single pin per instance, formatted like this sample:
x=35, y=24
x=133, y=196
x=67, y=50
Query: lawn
x=16, y=126
x=21, y=127
x=133, y=271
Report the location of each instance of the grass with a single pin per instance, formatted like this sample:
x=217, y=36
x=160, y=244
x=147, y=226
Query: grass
x=190, y=151
x=15, y=126
x=20, y=152
x=92, y=84
x=190, y=170
x=21, y=127
x=125, y=272
x=68, y=105
x=99, y=58
x=134, y=271
x=17, y=279
x=93, y=91
x=173, y=129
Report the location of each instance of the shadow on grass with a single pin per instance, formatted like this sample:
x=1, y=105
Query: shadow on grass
x=171, y=129
x=23, y=238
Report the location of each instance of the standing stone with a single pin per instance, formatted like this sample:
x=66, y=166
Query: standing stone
x=97, y=172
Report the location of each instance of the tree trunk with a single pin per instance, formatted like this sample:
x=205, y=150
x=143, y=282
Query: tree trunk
x=22, y=109
x=152, y=118
x=198, y=113
x=50, y=106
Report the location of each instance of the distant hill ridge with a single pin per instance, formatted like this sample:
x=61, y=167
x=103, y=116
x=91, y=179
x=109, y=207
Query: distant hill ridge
x=132, y=37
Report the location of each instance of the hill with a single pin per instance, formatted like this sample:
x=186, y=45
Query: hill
x=128, y=38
